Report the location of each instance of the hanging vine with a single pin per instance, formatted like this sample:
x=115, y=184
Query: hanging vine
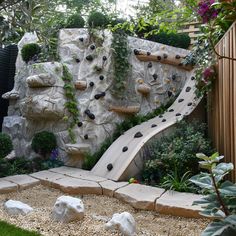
x=71, y=104
x=121, y=66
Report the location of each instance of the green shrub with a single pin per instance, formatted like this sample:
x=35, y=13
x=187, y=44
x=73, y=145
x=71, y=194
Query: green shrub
x=5, y=145
x=176, y=152
x=75, y=21
x=176, y=40
x=97, y=19
x=29, y=51
x=43, y=143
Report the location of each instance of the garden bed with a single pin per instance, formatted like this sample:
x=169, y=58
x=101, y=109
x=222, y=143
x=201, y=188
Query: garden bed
x=42, y=200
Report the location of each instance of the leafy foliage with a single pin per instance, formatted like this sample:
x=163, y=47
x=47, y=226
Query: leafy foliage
x=97, y=19
x=121, y=63
x=75, y=21
x=175, y=153
x=44, y=142
x=71, y=104
x=219, y=204
x=30, y=51
x=5, y=145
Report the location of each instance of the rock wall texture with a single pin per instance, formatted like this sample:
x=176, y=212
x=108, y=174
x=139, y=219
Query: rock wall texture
x=37, y=101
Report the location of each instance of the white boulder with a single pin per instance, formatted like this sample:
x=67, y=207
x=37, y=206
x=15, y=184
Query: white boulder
x=67, y=209
x=16, y=207
x=124, y=222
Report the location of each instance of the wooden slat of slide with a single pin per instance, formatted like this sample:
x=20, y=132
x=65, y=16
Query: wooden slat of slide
x=234, y=98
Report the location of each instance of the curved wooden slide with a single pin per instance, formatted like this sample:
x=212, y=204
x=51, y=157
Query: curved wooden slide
x=119, y=156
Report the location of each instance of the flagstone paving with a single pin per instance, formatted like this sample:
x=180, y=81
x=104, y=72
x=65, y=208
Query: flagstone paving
x=76, y=181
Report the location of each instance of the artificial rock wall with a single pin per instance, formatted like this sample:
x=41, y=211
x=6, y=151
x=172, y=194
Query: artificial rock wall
x=37, y=101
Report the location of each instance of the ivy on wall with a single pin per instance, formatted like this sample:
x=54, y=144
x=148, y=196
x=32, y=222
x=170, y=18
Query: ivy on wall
x=121, y=64
x=71, y=104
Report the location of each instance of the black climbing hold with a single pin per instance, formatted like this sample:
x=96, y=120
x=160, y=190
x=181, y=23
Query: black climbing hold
x=85, y=136
x=164, y=120
x=159, y=58
x=177, y=57
x=178, y=114
x=136, y=52
x=190, y=104
x=81, y=39
x=77, y=60
x=101, y=77
x=192, y=78
x=155, y=76
x=160, y=116
x=187, y=89
x=91, y=84
x=169, y=93
x=138, y=135
x=180, y=64
x=79, y=124
x=181, y=100
x=89, y=57
x=99, y=95
x=171, y=110
x=89, y=114
x=98, y=69
x=109, y=166
x=165, y=55
x=148, y=53
x=104, y=58
x=174, y=77
x=92, y=47
x=149, y=65
x=154, y=125
x=125, y=149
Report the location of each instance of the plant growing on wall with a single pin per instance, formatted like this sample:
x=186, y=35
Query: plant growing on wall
x=121, y=64
x=219, y=203
x=71, y=104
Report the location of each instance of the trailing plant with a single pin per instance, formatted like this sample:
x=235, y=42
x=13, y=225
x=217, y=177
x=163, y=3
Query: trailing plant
x=219, y=203
x=176, y=151
x=97, y=20
x=92, y=158
x=30, y=52
x=71, y=105
x=43, y=143
x=75, y=21
x=5, y=145
x=121, y=65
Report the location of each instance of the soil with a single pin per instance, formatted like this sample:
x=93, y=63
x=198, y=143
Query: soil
x=98, y=210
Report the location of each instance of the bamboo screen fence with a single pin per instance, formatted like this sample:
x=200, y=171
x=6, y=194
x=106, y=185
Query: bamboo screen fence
x=222, y=105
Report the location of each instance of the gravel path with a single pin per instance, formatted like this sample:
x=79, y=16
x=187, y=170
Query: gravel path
x=98, y=210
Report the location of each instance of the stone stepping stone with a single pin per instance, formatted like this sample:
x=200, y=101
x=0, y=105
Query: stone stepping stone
x=77, y=186
x=23, y=181
x=7, y=187
x=109, y=187
x=46, y=177
x=139, y=196
x=178, y=204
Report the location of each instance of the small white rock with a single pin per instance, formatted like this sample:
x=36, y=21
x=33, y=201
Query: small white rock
x=16, y=207
x=124, y=222
x=67, y=209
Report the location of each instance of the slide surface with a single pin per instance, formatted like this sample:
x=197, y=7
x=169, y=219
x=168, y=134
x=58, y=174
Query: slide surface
x=122, y=152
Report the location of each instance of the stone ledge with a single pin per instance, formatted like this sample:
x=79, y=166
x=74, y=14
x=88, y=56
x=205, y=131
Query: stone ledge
x=23, y=181
x=139, y=196
x=7, y=187
x=76, y=186
x=178, y=204
x=109, y=187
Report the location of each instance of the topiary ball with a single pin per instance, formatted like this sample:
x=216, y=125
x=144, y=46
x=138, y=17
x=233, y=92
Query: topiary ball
x=44, y=142
x=29, y=51
x=5, y=145
x=97, y=19
x=75, y=21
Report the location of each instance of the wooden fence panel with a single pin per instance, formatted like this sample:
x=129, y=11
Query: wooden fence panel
x=222, y=100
